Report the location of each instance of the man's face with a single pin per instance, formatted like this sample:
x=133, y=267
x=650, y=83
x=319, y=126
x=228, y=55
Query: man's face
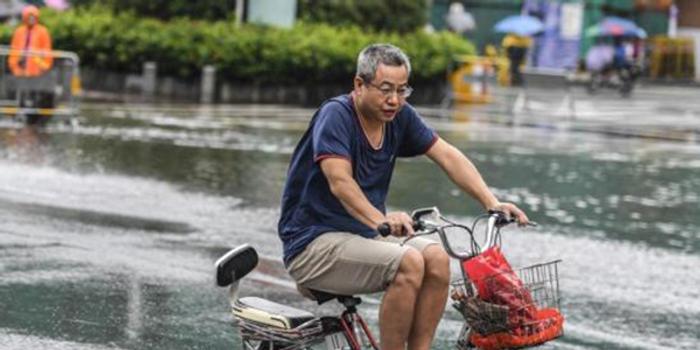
x=383, y=97
x=31, y=20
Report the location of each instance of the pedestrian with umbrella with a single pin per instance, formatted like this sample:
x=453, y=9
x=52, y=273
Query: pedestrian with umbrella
x=518, y=28
x=618, y=56
x=621, y=30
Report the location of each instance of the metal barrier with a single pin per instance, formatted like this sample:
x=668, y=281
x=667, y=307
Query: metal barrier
x=547, y=80
x=55, y=92
x=672, y=57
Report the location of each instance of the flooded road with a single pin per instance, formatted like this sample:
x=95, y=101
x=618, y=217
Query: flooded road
x=109, y=231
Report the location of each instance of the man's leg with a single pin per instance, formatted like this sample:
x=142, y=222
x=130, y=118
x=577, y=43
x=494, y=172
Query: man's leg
x=396, y=314
x=432, y=297
x=347, y=264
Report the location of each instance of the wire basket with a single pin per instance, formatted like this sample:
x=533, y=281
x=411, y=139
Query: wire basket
x=542, y=281
x=259, y=336
x=515, y=313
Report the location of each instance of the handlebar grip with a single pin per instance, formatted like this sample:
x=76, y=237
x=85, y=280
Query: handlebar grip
x=502, y=220
x=384, y=229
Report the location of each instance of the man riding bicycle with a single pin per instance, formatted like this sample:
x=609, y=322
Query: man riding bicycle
x=334, y=201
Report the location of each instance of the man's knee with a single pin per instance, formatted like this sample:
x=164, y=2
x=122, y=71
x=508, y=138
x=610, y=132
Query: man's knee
x=437, y=264
x=411, y=269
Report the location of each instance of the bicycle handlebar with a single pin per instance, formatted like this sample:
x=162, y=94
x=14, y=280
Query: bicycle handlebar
x=496, y=220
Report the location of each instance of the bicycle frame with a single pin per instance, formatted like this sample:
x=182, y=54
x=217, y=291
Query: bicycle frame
x=349, y=321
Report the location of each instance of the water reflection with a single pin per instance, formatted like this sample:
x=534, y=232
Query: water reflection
x=623, y=199
x=134, y=323
x=25, y=143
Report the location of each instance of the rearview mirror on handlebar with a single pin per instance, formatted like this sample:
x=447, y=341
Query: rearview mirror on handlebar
x=429, y=215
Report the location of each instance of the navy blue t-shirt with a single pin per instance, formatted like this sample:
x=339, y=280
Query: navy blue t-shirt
x=308, y=207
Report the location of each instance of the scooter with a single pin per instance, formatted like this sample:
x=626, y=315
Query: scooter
x=622, y=79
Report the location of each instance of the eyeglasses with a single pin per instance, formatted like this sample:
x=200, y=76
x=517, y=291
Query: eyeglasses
x=387, y=91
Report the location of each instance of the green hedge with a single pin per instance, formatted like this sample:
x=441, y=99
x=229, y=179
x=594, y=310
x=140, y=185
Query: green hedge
x=307, y=53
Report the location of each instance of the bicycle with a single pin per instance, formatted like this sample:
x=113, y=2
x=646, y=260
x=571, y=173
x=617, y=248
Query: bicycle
x=265, y=324
x=621, y=79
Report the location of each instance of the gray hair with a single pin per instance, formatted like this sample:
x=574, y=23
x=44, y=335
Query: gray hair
x=371, y=56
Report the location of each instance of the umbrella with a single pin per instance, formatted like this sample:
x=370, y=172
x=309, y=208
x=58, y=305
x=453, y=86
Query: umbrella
x=616, y=26
x=520, y=24
x=57, y=4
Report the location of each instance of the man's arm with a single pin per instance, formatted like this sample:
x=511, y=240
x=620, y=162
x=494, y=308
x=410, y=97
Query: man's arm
x=338, y=172
x=17, y=45
x=45, y=60
x=465, y=175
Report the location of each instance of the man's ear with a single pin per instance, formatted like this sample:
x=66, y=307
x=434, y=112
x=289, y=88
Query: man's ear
x=357, y=84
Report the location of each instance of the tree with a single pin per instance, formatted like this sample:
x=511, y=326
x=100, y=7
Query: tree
x=388, y=15
x=167, y=9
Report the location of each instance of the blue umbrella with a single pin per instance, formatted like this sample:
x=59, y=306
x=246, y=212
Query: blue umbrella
x=616, y=26
x=520, y=24
x=625, y=24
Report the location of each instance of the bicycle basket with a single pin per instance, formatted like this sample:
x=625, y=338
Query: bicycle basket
x=512, y=315
x=300, y=337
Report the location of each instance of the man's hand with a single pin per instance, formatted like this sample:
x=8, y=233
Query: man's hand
x=512, y=211
x=401, y=223
x=458, y=294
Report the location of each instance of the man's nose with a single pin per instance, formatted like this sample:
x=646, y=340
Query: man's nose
x=393, y=98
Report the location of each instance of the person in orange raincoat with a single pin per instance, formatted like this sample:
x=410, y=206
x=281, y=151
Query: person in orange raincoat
x=30, y=35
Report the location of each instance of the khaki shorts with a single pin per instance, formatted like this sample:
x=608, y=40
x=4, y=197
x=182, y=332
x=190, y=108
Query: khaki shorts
x=347, y=264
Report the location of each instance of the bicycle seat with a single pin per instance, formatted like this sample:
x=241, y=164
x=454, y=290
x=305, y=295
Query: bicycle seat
x=321, y=297
x=270, y=313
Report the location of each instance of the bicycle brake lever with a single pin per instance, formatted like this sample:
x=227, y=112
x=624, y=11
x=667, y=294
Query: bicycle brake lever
x=418, y=226
x=408, y=239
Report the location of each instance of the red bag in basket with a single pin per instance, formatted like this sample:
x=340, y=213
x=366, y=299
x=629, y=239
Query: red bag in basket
x=496, y=282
